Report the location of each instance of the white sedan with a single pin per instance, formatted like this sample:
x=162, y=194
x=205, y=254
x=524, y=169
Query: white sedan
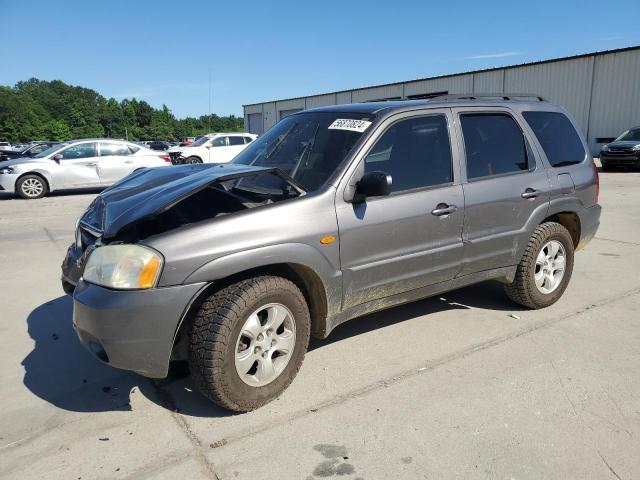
x=213, y=148
x=90, y=163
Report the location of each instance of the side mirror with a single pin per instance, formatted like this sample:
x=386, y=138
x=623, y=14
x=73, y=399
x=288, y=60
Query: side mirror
x=209, y=146
x=57, y=157
x=373, y=184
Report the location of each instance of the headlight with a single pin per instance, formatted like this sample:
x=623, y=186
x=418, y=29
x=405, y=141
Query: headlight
x=7, y=170
x=636, y=148
x=123, y=267
x=606, y=148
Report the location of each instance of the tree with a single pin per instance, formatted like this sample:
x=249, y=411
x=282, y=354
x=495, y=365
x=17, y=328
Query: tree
x=39, y=110
x=58, y=130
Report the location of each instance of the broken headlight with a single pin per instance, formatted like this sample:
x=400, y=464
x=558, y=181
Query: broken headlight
x=123, y=267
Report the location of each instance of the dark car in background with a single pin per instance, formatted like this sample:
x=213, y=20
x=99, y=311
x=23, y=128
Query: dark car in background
x=623, y=152
x=29, y=151
x=159, y=145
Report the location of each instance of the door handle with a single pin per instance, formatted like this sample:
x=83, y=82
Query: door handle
x=128, y=161
x=530, y=193
x=91, y=164
x=443, y=209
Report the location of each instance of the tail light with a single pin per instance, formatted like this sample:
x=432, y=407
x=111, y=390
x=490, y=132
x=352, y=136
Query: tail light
x=597, y=174
x=166, y=158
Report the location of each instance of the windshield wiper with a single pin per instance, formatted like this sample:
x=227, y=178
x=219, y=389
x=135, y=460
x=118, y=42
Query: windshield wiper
x=280, y=142
x=305, y=152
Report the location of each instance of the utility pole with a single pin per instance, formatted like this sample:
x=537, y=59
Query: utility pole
x=209, y=116
x=126, y=133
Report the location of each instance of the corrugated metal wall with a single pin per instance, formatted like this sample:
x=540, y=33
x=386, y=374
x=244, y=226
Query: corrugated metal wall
x=601, y=91
x=615, y=103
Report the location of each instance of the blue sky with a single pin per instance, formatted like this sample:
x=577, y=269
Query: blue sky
x=164, y=51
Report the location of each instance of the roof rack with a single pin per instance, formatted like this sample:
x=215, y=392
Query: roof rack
x=476, y=96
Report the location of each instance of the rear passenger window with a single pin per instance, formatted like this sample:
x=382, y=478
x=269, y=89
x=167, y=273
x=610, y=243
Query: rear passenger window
x=494, y=145
x=416, y=153
x=109, y=149
x=248, y=139
x=560, y=141
x=236, y=141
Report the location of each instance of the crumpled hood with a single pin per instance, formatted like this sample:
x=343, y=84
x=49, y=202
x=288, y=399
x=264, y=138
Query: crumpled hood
x=151, y=191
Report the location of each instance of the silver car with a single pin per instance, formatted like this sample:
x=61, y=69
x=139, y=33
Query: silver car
x=89, y=163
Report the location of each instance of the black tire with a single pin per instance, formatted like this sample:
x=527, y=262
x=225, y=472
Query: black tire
x=215, y=332
x=523, y=289
x=31, y=180
x=193, y=160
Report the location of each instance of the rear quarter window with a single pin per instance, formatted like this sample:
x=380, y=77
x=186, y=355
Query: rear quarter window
x=559, y=139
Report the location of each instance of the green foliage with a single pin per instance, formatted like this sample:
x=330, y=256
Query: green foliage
x=40, y=110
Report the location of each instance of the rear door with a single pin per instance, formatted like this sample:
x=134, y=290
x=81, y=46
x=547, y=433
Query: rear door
x=412, y=238
x=78, y=167
x=236, y=145
x=504, y=187
x=116, y=162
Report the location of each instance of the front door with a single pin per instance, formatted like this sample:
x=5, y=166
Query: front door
x=504, y=187
x=219, y=150
x=412, y=238
x=78, y=167
x=115, y=162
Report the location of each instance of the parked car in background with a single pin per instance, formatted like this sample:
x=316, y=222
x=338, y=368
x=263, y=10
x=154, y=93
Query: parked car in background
x=76, y=164
x=214, y=148
x=5, y=146
x=623, y=152
x=28, y=151
x=159, y=145
x=332, y=214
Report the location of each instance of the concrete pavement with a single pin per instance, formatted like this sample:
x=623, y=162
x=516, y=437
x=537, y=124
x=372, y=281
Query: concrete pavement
x=466, y=385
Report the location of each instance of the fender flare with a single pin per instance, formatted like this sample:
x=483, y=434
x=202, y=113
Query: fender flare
x=288, y=253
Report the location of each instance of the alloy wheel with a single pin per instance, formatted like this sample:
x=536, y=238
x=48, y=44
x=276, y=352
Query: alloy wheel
x=32, y=187
x=265, y=344
x=550, y=266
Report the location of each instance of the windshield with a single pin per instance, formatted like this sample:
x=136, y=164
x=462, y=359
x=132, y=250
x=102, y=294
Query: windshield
x=199, y=142
x=307, y=146
x=50, y=150
x=632, y=135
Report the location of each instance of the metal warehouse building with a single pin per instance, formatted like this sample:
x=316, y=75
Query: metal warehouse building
x=600, y=89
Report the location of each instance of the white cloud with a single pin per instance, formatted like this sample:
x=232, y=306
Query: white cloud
x=493, y=55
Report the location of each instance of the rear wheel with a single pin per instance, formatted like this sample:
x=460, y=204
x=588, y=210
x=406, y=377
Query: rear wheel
x=31, y=186
x=545, y=268
x=248, y=341
x=193, y=159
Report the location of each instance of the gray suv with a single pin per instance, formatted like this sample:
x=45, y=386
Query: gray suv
x=333, y=213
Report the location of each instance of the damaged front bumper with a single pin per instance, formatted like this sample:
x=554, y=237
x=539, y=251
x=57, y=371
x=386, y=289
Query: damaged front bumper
x=131, y=329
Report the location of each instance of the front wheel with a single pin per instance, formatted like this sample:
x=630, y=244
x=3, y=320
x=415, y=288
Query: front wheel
x=545, y=268
x=31, y=187
x=248, y=342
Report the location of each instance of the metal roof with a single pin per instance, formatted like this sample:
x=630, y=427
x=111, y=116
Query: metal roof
x=506, y=67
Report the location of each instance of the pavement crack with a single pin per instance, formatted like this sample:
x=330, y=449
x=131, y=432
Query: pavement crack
x=624, y=242
x=564, y=388
x=430, y=366
x=170, y=405
x=613, y=472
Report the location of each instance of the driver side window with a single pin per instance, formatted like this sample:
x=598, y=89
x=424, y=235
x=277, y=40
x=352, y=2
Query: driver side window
x=84, y=150
x=416, y=153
